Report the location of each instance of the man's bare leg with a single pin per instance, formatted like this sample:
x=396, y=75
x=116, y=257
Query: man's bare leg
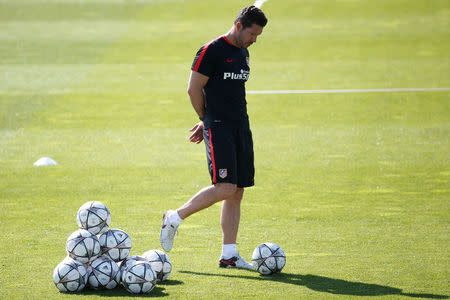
x=203, y=199
x=229, y=220
x=207, y=197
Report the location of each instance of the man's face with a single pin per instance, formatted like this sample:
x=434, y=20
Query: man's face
x=247, y=36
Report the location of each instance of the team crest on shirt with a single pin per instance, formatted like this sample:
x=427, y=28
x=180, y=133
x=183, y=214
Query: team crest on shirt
x=247, y=59
x=222, y=173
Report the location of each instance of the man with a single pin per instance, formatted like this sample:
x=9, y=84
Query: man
x=217, y=93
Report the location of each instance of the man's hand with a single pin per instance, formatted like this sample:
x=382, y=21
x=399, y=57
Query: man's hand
x=197, y=135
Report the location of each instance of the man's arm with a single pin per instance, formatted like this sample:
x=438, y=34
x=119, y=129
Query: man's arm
x=197, y=82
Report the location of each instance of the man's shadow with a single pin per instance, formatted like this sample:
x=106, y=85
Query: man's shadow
x=329, y=285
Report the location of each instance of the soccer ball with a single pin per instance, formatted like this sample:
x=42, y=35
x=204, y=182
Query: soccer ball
x=139, y=278
x=116, y=244
x=268, y=258
x=128, y=262
x=94, y=216
x=70, y=275
x=104, y=273
x=160, y=263
x=83, y=246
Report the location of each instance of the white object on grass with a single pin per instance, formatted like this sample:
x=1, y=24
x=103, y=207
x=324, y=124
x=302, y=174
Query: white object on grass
x=45, y=161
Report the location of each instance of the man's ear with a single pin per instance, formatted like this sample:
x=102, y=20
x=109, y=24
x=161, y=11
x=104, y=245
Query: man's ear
x=239, y=26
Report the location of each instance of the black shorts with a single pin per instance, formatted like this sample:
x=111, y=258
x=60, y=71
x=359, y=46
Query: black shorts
x=229, y=152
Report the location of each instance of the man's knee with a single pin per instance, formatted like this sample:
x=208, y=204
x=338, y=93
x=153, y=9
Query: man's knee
x=236, y=198
x=226, y=190
x=238, y=194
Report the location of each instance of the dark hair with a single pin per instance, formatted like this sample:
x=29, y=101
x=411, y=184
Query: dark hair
x=250, y=15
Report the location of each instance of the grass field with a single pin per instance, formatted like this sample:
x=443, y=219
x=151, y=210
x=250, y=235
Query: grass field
x=354, y=187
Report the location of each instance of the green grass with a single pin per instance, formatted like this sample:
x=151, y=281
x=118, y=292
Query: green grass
x=354, y=187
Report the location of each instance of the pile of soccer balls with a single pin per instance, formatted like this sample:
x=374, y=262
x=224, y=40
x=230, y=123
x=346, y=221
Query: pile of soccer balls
x=99, y=256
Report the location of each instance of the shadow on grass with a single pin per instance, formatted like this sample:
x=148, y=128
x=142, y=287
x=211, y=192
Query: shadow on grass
x=122, y=292
x=329, y=285
x=170, y=282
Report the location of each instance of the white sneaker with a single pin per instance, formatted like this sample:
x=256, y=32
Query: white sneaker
x=167, y=233
x=235, y=262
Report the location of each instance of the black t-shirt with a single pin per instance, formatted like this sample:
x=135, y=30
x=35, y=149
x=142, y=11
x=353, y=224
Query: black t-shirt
x=227, y=67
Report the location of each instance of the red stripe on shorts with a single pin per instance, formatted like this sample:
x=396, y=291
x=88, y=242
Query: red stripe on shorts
x=212, y=155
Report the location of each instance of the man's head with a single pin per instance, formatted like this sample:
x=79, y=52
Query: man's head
x=249, y=24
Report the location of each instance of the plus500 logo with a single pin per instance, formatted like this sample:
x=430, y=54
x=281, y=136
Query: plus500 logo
x=241, y=76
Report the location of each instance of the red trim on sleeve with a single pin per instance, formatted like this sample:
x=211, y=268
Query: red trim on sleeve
x=212, y=156
x=200, y=57
x=202, y=53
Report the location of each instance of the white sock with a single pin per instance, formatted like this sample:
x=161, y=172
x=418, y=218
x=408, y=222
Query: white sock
x=174, y=218
x=228, y=251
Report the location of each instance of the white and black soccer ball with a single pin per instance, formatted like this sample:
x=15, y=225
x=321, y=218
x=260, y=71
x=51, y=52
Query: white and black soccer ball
x=70, y=275
x=104, y=273
x=128, y=262
x=160, y=263
x=268, y=258
x=139, y=278
x=83, y=246
x=94, y=216
x=116, y=244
